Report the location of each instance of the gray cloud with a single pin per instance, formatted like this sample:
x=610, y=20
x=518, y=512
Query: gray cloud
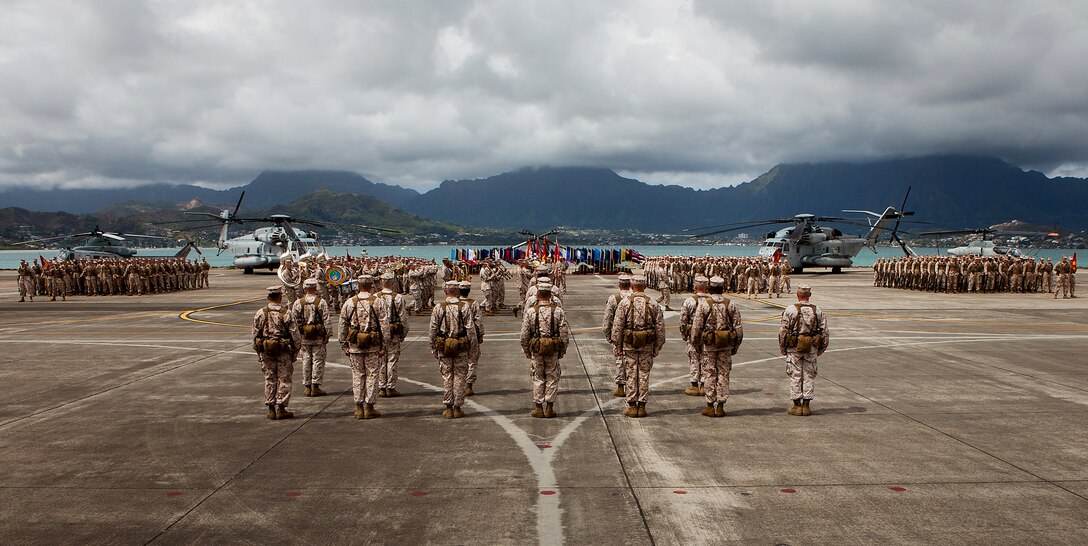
x=701, y=93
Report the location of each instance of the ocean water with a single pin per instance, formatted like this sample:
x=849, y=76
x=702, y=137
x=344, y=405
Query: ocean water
x=9, y=259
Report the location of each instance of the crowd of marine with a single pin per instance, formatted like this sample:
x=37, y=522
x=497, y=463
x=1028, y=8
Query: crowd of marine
x=109, y=277
x=976, y=274
x=749, y=276
x=372, y=326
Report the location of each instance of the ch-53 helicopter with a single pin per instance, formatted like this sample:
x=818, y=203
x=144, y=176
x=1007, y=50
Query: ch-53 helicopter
x=806, y=244
x=266, y=247
x=106, y=244
x=984, y=247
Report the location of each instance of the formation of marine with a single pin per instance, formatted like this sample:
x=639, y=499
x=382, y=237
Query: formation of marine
x=751, y=276
x=975, y=274
x=109, y=277
x=372, y=326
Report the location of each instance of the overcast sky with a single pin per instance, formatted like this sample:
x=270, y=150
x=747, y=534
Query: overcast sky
x=703, y=93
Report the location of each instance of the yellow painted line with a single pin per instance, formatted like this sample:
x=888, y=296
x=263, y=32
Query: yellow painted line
x=188, y=315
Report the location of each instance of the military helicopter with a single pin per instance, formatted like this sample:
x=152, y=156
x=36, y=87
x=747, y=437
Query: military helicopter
x=984, y=247
x=266, y=246
x=105, y=244
x=806, y=244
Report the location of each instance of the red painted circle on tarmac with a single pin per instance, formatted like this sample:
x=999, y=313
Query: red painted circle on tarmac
x=788, y=490
x=293, y=494
x=543, y=446
x=547, y=492
x=898, y=489
x=680, y=492
x=173, y=493
x=419, y=493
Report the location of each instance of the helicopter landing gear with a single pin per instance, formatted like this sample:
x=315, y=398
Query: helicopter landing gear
x=798, y=270
x=247, y=271
x=836, y=270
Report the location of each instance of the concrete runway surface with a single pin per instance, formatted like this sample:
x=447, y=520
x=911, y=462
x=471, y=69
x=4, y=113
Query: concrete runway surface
x=938, y=418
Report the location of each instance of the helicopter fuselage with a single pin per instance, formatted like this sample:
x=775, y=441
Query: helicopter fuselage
x=985, y=249
x=262, y=248
x=816, y=247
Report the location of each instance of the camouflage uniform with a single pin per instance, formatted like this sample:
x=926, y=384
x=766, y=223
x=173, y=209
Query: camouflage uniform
x=26, y=281
x=687, y=315
x=474, y=352
x=394, y=310
x=362, y=313
x=452, y=318
x=801, y=367
x=717, y=313
x=312, y=310
x=274, y=321
x=619, y=373
x=544, y=320
x=637, y=313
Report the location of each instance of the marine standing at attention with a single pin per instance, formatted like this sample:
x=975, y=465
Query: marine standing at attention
x=362, y=340
x=639, y=333
x=802, y=337
x=452, y=333
x=619, y=374
x=276, y=341
x=687, y=315
x=394, y=310
x=311, y=314
x=717, y=331
x=465, y=288
x=544, y=340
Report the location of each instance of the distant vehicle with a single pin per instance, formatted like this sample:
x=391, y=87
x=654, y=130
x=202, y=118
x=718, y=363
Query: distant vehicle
x=105, y=244
x=806, y=244
x=985, y=247
x=265, y=247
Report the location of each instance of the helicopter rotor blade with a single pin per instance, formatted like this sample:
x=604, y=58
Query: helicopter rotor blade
x=113, y=236
x=32, y=241
x=239, y=205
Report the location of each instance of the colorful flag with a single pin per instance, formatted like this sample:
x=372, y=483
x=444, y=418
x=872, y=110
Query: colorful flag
x=1074, y=260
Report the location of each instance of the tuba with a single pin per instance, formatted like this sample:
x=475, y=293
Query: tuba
x=290, y=279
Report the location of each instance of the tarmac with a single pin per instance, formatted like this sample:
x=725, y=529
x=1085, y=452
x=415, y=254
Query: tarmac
x=937, y=419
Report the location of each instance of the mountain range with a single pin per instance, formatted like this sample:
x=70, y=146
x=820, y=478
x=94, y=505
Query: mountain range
x=949, y=191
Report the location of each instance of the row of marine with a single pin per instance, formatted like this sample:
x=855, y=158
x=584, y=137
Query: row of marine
x=975, y=274
x=109, y=277
x=747, y=275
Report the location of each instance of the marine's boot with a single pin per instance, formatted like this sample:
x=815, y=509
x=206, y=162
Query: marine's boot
x=702, y=390
x=22, y=300
x=458, y=412
x=382, y=393
x=468, y=390
x=272, y=412
x=708, y=410
x=306, y=391
x=282, y=413
x=392, y=393
x=720, y=412
x=795, y=409
x=631, y=411
x=619, y=392
x=805, y=410
x=448, y=412
x=359, y=411
x=693, y=390
x=370, y=413
x=538, y=411
x=642, y=409
x=549, y=410
x=315, y=390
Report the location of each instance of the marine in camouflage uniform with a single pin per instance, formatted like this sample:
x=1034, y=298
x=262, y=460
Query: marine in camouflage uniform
x=802, y=319
x=26, y=281
x=452, y=318
x=362, y=313
x=311, y=314
x=545, y=323
x=465, y=288
x=687, y=315
x=717, y=315
x=394, y=317
x=638, y=318
x=619, y=373
x=275, y=322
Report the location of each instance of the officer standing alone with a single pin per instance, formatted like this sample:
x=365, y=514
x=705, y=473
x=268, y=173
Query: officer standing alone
x=802, y=337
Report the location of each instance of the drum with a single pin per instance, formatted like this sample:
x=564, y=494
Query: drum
x=335, y=275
